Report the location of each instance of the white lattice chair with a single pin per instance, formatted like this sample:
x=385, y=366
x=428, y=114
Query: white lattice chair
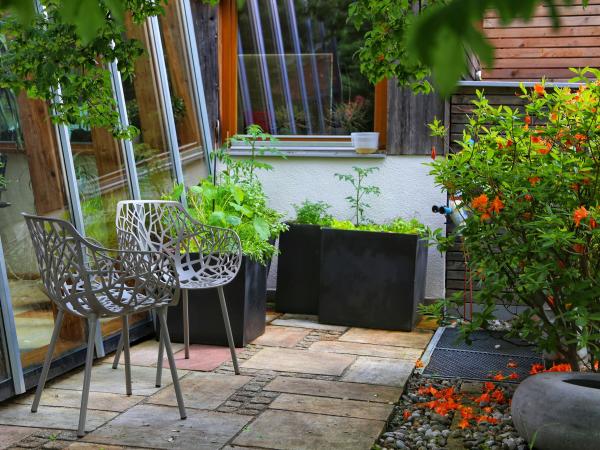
x=92, y=282
x=205, y=256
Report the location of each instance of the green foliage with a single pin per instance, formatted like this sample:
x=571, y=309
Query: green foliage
x=529, y=189
x=46, y=57
x=237, y=201
x=384, y=51
x=355, y=115
x=313, y=213
x=398, y=225
x=356, y=201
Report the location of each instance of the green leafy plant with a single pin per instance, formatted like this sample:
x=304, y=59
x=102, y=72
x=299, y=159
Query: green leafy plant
x=313, y=213
x=398, y=225
x=357, y=200
x=528, y=186
x=236, y=200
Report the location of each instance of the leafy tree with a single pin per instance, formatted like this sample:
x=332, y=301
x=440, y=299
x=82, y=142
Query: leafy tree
x=411, y=42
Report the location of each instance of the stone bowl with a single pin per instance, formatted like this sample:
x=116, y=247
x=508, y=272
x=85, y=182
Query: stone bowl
x=559, y=410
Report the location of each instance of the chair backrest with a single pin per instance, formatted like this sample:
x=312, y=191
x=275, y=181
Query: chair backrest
x=204, y=255
x=82, y=278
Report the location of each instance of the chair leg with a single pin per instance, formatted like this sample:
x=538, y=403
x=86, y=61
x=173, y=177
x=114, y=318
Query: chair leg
x=125, y=335
x=47, y=361
x=87, y=378
x=166, y=340
x=159, y=364
x=118, y=352
x=186, y=324
x=236, y=367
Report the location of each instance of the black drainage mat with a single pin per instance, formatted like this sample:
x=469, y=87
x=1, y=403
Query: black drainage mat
x=488, y=354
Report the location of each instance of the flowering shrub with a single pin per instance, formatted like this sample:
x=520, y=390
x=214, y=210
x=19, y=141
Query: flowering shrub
x=528, y=183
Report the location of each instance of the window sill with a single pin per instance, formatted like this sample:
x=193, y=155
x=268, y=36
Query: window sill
x=309, y=153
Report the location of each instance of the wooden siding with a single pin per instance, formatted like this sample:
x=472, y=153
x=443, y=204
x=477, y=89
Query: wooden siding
x=408, y=117
x=530, y=50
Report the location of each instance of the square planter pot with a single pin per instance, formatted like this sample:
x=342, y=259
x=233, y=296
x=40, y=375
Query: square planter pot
x=371, y=279
x=298, y=270
x=246, y=298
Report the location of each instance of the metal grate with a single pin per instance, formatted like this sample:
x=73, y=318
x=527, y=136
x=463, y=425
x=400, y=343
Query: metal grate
x=488, y=354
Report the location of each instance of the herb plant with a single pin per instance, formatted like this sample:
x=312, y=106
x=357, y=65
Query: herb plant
x=529, y=187
x=357, y=200
x=313, y=213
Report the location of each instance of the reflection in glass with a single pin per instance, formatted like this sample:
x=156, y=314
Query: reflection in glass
x=145, y=109
x=297, y=73
x=34, y=184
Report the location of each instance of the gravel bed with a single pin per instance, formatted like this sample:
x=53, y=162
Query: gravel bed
x=415, y=425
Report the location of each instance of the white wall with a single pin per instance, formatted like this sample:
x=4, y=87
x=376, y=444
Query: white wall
x=406, y=191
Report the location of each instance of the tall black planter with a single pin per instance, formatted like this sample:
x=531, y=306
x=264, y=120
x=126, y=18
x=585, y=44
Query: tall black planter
x=246, y=298
x=298, y=270
x=371, y=279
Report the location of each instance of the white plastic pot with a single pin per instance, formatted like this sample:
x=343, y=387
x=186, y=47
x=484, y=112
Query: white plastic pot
x=365, y=142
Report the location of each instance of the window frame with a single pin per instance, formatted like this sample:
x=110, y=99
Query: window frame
x=228, y=85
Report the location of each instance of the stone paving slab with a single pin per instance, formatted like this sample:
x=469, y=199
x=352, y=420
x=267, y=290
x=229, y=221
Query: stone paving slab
x=142, y=354
x=332, y=407
x=300, y=361
x=354, y=348
x=51, y=417
x=89, y=446
x=280, y=336
x=287, y=430
x=10, y=435
x=107, y=379
x=412, y=339
x=386, y=371
x=161, y=427
x=202, y=357
x=305, y=321
x=98, y=400
x=335, y=389
x=202, y=390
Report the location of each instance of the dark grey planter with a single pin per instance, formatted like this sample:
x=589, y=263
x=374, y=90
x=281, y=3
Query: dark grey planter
x=371, y=279
x=559, y=411
x=298, y=270
x=246, y=298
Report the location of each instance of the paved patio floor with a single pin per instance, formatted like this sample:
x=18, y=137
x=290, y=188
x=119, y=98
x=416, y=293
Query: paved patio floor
x=303, y=385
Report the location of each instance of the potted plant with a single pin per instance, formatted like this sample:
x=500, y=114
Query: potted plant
x=371, y=275
x=234, y=199
x=298, y=265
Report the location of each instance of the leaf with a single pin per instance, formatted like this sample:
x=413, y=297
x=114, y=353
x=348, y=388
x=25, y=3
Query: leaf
x=217, y=218
x=262, y=228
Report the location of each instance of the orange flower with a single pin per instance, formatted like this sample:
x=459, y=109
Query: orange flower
x=406, y=414
x=536, y=368
x=487, y=409
x=433, y=153
x=418, y=363
x=464, y=423
x=534, y=180
x=499, y=376
x=498, y=396
x=512, y=365
x=487, y=386
x=536, y=139
x=480, y=203
x=593, y=223
x=528, y=197
x=575, y=187
x=466, y=412
x=499, y=144
x=597, y=365
x=509, y=143
x=489, y=419
x=550, y=300
x=483, y=398
x=539, y=90
x=560, y=368
x=579, y=248
x=527, y=120
x=553, y=117
x=496, y=205
x=579, y=214
x=580, y=137
x=513, y=376
x=485, y=216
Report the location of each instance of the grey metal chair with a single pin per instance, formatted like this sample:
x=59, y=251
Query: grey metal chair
x=92, y=282
x=205, y=256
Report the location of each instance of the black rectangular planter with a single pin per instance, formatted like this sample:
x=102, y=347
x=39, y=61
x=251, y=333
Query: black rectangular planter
x=298, y=270
x=246, y=298
x=371, y=279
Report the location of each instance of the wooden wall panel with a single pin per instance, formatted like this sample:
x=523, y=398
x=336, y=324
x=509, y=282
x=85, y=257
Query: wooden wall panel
x=530, y=50
x=408, y=117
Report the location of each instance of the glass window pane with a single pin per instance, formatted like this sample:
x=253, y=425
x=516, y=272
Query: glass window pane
x=156, y=174
x=187, y=117
x=297, y=72
x=34, y=184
